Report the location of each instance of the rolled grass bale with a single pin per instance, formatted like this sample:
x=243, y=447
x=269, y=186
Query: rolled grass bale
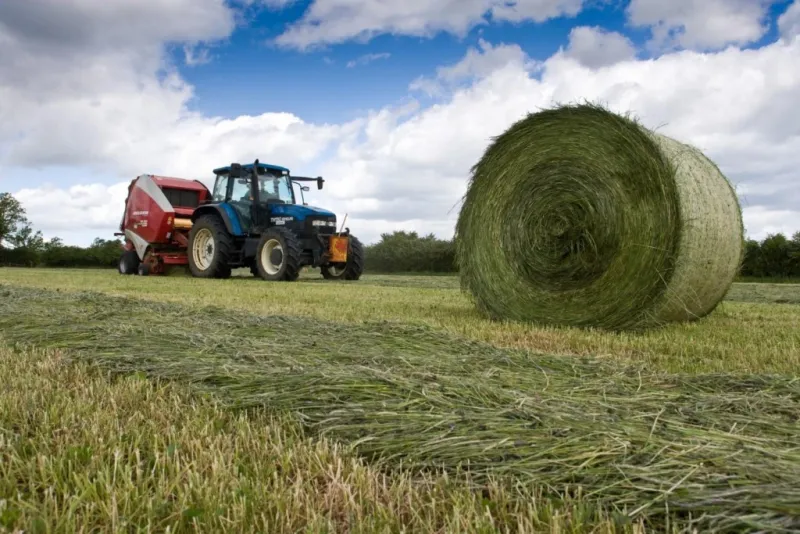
x=579, y=216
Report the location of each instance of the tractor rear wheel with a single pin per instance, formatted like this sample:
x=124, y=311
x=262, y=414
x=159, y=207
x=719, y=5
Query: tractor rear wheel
x=128, y=262
x=210, y=248
x=278, y=255
x=352, y=269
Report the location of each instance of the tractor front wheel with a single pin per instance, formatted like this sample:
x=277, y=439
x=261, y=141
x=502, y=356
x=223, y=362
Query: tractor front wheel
x=210, y=248
x=352, y=269
x=278, y=255
x=128, y=262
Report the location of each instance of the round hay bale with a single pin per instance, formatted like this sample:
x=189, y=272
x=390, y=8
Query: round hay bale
x=578, y=216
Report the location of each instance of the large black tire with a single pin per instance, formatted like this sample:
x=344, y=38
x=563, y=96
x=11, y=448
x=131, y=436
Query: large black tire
x=210, y=248
x=278, y=255
x=128, y=262
x=350, y=270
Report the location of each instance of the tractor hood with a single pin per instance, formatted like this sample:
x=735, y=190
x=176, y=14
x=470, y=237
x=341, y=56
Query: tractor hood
x=299, y=212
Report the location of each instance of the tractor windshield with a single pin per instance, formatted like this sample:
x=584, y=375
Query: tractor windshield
x=274, y=188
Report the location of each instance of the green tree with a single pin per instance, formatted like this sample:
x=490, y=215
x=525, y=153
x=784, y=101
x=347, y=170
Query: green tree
x=751, y=265
x=776, y=256
x=28, y=239
x=14, y=225
x=794, y=253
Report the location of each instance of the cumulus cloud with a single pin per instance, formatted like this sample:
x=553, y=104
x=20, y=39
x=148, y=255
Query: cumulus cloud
x=701, y=24
x=595, y=47
x=336, y=21
x=789, y=21
x=478, y=63
x=85, y=207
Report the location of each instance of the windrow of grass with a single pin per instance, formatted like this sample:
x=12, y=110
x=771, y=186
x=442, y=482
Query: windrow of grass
x=85, y=451
x=748, y=333
x=715, y=451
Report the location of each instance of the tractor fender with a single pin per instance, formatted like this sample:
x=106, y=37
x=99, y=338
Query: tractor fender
x=224, y=212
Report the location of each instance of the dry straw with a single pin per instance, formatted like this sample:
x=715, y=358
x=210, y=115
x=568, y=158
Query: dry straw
x=578, y=216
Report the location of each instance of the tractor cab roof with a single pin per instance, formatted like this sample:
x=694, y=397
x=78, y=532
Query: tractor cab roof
x=261, y=167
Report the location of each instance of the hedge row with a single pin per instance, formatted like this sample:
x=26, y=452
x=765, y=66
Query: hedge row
x=101, y=253
x=774, y=257
x=408, y=252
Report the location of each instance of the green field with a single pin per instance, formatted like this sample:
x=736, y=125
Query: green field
x=384, y=405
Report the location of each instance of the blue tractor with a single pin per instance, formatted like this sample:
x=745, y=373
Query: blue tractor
x=253, y=220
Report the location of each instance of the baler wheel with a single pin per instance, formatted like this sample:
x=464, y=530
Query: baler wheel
x=352, y=269
x=210, y=248
x=278, y=255
x=128, y=262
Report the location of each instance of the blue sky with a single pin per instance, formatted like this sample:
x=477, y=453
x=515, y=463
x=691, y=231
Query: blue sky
x=250, y=75
x=87, y=106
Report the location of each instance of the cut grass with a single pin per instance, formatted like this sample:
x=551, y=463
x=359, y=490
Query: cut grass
x=744, y=334
x=720, y=450
x=81, y=451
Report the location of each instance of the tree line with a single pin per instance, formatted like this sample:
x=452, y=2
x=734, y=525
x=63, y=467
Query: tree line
x=776, y=256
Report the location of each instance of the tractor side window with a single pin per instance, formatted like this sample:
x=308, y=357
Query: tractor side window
x=220, y=188
x=241, y=190
x=285, y=190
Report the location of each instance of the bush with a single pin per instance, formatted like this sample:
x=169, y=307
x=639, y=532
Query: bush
x=19, y=257
x=408, y=252
x=101, y=253
x=774, y=257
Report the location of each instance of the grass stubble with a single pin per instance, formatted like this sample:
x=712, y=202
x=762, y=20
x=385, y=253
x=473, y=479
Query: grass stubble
x=84, y=450
x=714, y=451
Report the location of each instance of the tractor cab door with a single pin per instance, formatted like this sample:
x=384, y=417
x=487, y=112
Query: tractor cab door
x=235, y=191
x=270, y=189
x=241, y=200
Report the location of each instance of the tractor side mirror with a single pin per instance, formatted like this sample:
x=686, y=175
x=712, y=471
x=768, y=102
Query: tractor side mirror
x=320, y=181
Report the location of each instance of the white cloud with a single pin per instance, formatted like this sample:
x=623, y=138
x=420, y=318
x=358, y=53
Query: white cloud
x=336, y=21
x=701, y=24
x=82, y=207
x=789, y=21
x=595, y=47
x=478, y=63
x=763, y=222
x=367, y=58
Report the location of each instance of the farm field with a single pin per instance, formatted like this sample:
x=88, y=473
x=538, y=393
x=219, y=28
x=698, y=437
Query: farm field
x=241, y=405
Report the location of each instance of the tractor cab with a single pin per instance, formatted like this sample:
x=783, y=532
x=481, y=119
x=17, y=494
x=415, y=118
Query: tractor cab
x=253, y=191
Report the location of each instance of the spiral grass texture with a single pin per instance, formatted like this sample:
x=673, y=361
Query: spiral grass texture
x=578, y=216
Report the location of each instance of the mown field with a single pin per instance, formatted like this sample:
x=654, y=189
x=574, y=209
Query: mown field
x=385, y=405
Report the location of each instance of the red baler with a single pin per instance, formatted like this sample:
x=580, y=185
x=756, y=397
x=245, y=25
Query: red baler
x=157, y=221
